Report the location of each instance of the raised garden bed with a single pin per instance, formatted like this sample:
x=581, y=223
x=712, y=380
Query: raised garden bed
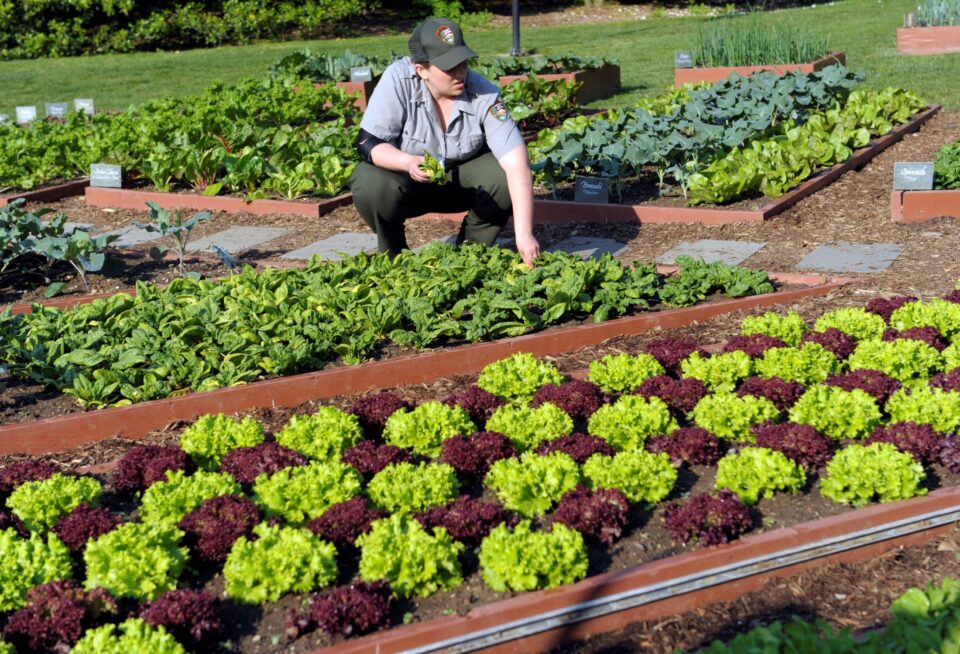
x=120, y=198
x=365, y=89
x=920, y=206
x=137, y=420
x=47, y=193
x=597, y=83
x=698, y=75
x=940, y=39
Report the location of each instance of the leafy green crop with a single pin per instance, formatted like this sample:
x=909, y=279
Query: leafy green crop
x=135, y=635
x=136, y=560
x=789, y=327
x=928, y=406
x=859, y=474
x=301, y=493
x=810, y=364
x=855, y=321
x=532, y=484
x=175, y=229
x=522, y=559
x=41, y=503
x=946, y=166
x=210, y=437
x=281, y=560
x=943, y=315
x=322, y=436
x=434, y=169
x=756, y=472
x=794, y=636
x=424, y=429
x=322, y=67
x=168, y=501
x=697, y=279
x=415, y=563
x=631, y=420
x=404, y=487
x=837, y=413
x=641, y=475
x=622, y=373
x=720, y=372
x=518, y=376
x=730, y=417
x=903, y=359
x=527, y=427
x=28, y=563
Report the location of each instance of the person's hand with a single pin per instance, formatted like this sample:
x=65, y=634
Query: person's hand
x=414, y=170
x=528, y=247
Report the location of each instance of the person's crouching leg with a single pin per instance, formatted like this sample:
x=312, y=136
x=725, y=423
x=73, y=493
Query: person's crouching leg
x=381, y=197
x=491, y=206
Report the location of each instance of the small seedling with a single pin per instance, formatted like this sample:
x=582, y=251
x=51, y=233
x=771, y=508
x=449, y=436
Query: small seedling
x=176, y=228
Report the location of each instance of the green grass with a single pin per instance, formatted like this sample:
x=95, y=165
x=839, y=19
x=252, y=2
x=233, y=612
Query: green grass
x=865, y=29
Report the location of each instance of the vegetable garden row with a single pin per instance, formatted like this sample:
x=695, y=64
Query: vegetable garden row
x=515, y=475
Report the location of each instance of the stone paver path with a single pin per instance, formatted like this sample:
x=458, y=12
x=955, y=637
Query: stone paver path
x=237, y=239
x=710, y=250
x=330, y=248
x=585, y=246
x=852, y=257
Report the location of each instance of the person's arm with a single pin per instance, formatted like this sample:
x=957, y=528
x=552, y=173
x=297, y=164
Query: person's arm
x=516, y=164
x=390, y=157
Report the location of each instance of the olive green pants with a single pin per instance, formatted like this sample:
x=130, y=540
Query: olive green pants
x=385, y=199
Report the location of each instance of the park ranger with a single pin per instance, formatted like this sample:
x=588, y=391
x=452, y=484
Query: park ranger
x=431, y=102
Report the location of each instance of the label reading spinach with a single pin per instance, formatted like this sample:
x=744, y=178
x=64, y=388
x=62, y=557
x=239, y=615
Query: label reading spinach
x=106, y=175
x=592, y=189
x=912, y=175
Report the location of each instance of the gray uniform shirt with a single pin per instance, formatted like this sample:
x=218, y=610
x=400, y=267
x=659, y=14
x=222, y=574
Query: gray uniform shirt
x=401, y=112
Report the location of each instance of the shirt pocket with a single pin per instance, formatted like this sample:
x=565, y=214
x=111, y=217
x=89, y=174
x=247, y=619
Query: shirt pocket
x=466, y=146
x=415, y=137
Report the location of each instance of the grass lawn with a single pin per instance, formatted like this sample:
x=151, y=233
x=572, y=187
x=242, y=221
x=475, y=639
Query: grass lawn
x=865, y=29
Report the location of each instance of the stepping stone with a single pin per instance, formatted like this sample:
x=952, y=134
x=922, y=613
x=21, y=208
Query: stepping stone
x=69, y=227
x=731, y=253
x=586, y=247
x=329, y=248
x=131, y=236
x=450, y=239
x=852, y=257
x=237, y=239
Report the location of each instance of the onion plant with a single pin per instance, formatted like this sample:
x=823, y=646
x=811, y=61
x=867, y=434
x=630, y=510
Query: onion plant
x=749, y=41
x=931, y=13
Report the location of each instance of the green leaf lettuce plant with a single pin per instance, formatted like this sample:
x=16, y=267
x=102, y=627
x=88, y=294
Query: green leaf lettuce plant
x=730, y=417
x=136, y=560
x=641, y=475
x=424, y=429
x=622, y=373
x=518, y=376
x=629, y=422
x=302, y=493
x=407, y=488
x=756, y=472
x=210, y=437
x=522, y=559
x=323, y=435
x=25, y=563
x=860, y=474
x=528, y=427
x=41, y=503
x=532, y=484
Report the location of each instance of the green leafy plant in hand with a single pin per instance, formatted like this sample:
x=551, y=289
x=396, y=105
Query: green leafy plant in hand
x=407, y=488
x=280, y=561
x=176, y=229
x=642, y=476
x=789, y=327
x=631, y=420
x=756, y=472
x=532, y=484
x=41, y=503
x=25, y=563
x=301, y=493
x=730, y=417
x=168, y=501
x=527, y=427
x=433, y=168
x=522, y=559
x=855, y=321
x=719, y=372
x=859, y=474
x=135, y=635
x=809, y=364
x=928, y=406
x=903, y=359
x=211, y=436
x=322, y=436
x=518, y=376
x=622, y=373
x=837, y=413
x=136, y=560
x=426, y=427
x=413, y=561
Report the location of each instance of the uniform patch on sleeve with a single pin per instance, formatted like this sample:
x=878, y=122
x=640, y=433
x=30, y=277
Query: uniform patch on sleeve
x=499, y=111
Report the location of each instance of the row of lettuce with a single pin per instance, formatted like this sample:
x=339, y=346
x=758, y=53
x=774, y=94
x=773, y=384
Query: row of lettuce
x=762, y=134
x=524, y=469
x=200, y=334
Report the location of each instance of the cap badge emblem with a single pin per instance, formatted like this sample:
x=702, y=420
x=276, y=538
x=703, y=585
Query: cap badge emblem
x=445, y=34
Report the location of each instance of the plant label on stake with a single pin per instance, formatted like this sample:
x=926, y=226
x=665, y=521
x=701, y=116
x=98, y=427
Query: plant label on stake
x=4, y=118
x=56, y=109
x=683, y=59
x=592, y=189
x=83, y=104
x=26, y=115
x=106, y=175
x=361, y=74
x=912, y=175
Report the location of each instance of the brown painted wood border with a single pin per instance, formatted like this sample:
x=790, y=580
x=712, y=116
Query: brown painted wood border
x=532, y=604
x=121, y=198
x=596, y=83
x=920, y=206
x=137, y=420
x=558, y=212
x=715, y=74
x=48, y=193
x=940, y=39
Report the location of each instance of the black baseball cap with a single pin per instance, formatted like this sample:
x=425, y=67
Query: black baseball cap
x=440, y=42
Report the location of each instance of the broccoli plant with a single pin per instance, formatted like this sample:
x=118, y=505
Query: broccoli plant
x=176, y=229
